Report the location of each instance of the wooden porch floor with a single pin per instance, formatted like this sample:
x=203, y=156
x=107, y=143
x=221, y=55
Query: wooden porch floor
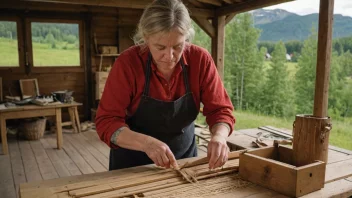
x=29, y=161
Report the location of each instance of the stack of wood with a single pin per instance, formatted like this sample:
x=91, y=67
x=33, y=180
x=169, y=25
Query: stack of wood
x=158, y=182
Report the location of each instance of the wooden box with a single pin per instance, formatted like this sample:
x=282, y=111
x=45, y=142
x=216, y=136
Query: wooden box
x=100, y=80
x=271, y=167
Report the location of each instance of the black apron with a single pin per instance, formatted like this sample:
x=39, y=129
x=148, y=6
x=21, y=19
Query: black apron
x=169, y=122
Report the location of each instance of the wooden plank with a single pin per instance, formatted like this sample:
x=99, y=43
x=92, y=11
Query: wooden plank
x=273, y=176
x=83, y=166
x=7, y=187
x=66, y=160
x=17, y=165
x=310, y=178
x=46, y=168
x=86, y=145
x=94, y=140
x=89, y=158
x=338, y=170
x=326, y=15
x=30, y=166
x=247, y=6
x=58, y=123
x=212, y=2
x=55, y=159
x=339, y=188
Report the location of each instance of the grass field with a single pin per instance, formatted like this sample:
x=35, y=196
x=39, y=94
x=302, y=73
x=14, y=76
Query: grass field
x=63, y=54
x=341, y=133
x=291, y=67
x=8, y=52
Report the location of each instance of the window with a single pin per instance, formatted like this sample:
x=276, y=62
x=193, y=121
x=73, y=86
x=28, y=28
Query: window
x=8, y=44
x=55, y=44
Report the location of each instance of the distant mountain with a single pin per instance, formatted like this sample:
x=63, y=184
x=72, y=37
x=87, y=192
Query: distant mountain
x=262, y=16
x=295, y=27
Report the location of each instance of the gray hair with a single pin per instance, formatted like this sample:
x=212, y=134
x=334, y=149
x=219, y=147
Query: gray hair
x=163, y=16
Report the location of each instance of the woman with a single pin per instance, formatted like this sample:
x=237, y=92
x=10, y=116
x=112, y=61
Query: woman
x=153, y=94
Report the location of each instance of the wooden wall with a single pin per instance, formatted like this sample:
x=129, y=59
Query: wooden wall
x=112, y=26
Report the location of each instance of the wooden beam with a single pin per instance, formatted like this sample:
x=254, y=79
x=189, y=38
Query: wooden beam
x=196, y=3
x=229, y=18
x=205, y=25
x=217, y=44
x=323, y=58
x=136, y=4
x=247, y=6
x=212, y=2
x=228, y=1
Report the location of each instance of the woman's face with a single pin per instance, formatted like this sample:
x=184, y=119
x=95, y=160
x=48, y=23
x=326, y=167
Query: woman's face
x=166, y=48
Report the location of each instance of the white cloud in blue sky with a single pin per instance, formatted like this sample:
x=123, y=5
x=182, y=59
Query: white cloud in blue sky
x=303, y=7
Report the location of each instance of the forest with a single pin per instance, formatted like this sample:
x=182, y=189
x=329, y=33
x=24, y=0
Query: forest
x=279, y=88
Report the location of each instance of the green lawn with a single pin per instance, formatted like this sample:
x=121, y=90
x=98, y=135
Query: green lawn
x=340, y=136
x=63, y=54
x=291, y=67
x=8, y=52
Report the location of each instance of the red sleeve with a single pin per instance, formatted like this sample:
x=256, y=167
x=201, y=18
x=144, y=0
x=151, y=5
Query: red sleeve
x=111, y=113
x=217, y=104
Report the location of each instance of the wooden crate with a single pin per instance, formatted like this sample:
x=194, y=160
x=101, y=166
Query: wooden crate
x=100, y=80
x=271, y=167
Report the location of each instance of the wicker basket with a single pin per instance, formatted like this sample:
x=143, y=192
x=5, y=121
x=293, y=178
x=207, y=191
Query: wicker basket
x=34, y=129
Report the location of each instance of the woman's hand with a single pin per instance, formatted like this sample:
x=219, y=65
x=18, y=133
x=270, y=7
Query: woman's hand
x=218, y=150
x=160, y=153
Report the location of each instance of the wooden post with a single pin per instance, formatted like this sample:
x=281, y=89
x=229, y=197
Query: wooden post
x=311, y=133
x=217, y=44
x=323, y=58
x=310, y=139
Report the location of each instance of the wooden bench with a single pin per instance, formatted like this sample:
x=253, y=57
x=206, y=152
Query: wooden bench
x=30, y=111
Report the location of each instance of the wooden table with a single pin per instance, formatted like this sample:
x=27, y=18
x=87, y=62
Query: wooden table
x=338, y=180
x=30, y=111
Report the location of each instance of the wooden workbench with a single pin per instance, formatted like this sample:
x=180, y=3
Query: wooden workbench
x=30, y=111
x=338, y=180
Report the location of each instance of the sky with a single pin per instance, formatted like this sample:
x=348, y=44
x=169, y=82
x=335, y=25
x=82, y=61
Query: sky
x=304, y=7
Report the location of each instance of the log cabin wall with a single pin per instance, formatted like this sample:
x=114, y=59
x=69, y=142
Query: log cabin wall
x=112, y=26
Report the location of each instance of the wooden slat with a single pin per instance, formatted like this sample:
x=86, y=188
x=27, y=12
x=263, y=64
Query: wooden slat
x=62, y=171
x=17, y=165
x=46, y=168
x=66, y=160
x=7, y=187
x=247, y=6
x=30, y=166
x=89, y=158
x=326, y=15
x=89, y=147
x=83, y=166
x=94, y=140
x=338, y=170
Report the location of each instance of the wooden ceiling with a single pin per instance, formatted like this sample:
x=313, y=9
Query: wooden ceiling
x=203, y=8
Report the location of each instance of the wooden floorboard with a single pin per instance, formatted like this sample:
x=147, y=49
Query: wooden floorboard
x=31, y=168
x=17, y=165
x=99, y=145
x=7, y=187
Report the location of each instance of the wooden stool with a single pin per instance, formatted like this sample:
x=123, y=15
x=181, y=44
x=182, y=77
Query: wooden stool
x=74, y=117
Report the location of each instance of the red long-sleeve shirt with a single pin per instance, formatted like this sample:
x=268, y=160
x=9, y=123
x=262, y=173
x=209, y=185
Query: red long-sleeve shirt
x=125, y=84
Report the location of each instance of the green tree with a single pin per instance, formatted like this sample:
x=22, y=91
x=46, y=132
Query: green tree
x=305, y=76
x=243, y=62
x=278, y=99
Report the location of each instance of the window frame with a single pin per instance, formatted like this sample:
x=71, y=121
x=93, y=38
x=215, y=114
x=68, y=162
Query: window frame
x=56, y=69
x=20, y=45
